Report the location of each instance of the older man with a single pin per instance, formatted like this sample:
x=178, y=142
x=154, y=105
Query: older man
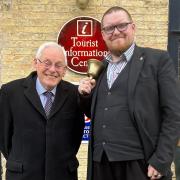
x=135, y=107
x=40, y=122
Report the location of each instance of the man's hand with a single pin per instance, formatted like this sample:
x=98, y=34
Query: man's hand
x=86, y=85
x=153, y=173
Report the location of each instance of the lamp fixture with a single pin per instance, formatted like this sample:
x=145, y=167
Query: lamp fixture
x=82, y=4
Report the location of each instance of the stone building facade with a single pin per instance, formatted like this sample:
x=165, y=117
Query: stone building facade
x=26, y=24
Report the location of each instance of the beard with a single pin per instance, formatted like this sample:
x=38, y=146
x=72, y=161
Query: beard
x=116, y=53
x=119, y=43
x=118, y=50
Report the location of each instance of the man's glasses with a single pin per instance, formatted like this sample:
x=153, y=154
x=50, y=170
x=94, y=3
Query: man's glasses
x=120, y=27
x=48, y=64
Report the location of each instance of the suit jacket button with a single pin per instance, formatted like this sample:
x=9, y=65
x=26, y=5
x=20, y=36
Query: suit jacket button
x=104, y=126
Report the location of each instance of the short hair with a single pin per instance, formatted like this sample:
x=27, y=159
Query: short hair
x=50, y=44
x=115, y=9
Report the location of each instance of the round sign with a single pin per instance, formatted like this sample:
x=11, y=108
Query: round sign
x=82, y=40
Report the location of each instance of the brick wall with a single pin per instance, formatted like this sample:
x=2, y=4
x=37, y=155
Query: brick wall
x=26, y=24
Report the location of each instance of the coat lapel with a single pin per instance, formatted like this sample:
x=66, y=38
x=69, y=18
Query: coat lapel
x=60, y=97
x=31, y=93
x=135, y=68
x=96, y=88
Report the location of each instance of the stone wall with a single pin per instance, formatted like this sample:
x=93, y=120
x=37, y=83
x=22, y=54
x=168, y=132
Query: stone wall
x=26, y=24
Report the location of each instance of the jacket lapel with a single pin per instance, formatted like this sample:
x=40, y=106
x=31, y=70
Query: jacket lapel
x=31, y=93
x=60, y=97
x=135, y=68
x=96, y=88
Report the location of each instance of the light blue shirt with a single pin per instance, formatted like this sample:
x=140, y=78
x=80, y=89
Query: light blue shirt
x=114, y=69
x=41, y=90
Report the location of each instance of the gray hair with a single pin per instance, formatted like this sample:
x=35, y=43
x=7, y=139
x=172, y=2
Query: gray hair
x=47, y=45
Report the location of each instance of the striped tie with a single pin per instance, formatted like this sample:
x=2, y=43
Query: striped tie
x=49, y=102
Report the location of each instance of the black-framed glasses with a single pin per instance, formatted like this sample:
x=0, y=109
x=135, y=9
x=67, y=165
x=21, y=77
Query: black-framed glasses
x=48, y=64
x=120, y=27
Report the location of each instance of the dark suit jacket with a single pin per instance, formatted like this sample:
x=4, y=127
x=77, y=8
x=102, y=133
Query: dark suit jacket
x=154, y=106
x=37, y=148
x=0, y=167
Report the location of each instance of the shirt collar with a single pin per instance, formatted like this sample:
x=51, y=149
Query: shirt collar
x=128, y=54
x=40, y=89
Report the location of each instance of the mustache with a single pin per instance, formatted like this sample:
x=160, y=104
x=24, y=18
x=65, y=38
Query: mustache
x=117, y=37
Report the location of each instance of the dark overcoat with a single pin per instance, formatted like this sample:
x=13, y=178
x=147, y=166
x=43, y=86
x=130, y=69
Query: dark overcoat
x=37, y=148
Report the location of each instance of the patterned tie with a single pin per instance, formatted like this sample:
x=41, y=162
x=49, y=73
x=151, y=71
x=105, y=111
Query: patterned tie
x=49, y=102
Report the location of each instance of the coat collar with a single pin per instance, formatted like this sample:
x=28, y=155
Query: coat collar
x=60, y=97
x=32, y=95
x=136, y=65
